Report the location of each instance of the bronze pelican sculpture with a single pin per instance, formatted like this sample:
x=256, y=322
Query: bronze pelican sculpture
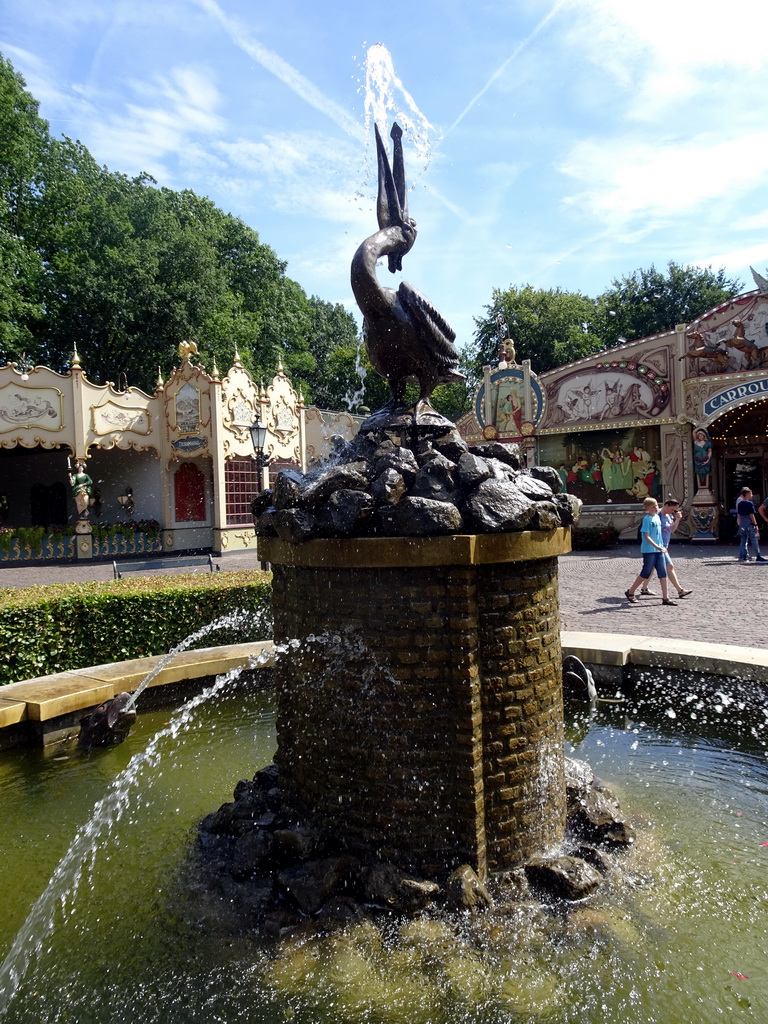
x=405, y=336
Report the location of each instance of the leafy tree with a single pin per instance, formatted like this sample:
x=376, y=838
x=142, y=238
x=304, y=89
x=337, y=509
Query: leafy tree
x=23, y=143
x=549, y=327
x=647, y=301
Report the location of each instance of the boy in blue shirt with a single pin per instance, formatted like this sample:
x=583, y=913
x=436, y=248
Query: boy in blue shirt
x=653, y=550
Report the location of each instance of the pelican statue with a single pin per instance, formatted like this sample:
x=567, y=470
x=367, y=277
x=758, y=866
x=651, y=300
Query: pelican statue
x=405, y=336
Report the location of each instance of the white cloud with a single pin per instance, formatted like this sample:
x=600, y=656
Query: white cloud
x=179, y=107
x=625, y=179
x=664, y=53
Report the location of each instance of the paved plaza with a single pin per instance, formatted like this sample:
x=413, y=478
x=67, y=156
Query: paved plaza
x=728, y=603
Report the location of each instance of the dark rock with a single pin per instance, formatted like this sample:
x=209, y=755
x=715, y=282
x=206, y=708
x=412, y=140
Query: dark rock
x=389, y=456
x=471, y=470
x=261, y=503
x=496, y=506
x=599, y=819
x=265, y=524
x=569, y=508
x=546, y=517
x=333, y=478
x=595, y=857
x=294, y=525
x=268, y=777
x=418, y=517
x=298, y=844
x=388, y=488
x=280, y=921
x=220, y=822
x=452, y=445
x=501, y=470
x=508, y=453
x=313, y=883
x=532, y=488
x=566, y=878
x=251, y=852
x=385, y=885
x=435, y=480
x=549, y=475
x=338, y=912
x=465, y=891
x=344, y=508
x=288, y=486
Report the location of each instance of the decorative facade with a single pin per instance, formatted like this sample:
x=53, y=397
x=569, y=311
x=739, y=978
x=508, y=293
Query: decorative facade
x=682, y=413
x=179, y=463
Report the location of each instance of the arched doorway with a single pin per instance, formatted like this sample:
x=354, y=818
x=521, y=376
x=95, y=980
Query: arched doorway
x=740, y=443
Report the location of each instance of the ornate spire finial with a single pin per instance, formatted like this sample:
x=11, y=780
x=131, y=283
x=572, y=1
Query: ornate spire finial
x=237, y=363
x=214, y=370
x=160, y=382
x=76, y=359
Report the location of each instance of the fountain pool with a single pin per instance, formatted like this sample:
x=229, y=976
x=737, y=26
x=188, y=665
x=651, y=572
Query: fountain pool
x=680, y=938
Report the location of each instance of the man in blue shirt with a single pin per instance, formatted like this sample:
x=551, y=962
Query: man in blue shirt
x=745, y=517
x=653, y=550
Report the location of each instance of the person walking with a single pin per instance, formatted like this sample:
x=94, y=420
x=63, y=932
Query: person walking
x=670, y=517
x=747, y=523
x=653, y=550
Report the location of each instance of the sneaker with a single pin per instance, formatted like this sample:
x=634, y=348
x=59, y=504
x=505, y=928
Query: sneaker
x=684, y=593
x=630, y=597
x=648, y=593
x=761, y=559
x=667, y=601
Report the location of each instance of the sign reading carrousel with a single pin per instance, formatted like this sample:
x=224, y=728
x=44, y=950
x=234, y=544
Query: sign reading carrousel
x=735, y=395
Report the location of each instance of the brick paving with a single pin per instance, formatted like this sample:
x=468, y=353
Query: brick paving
x=728, y=603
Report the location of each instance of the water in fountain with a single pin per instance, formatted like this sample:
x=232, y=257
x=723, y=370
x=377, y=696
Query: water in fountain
x=61, y=893
x=667, y=941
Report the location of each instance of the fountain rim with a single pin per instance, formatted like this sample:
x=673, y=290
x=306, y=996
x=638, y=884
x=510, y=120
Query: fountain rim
x=45, y=698
x=410, y=552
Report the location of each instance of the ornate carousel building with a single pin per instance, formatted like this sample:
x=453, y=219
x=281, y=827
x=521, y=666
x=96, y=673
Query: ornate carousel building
x=95, y=471
x=682, y=413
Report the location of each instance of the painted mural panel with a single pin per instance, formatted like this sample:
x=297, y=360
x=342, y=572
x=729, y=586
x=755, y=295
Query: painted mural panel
x=620, y=389
x=24, y=407
x=606, y=467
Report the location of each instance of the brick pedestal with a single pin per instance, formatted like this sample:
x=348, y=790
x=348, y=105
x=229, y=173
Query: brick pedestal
x=421, y=717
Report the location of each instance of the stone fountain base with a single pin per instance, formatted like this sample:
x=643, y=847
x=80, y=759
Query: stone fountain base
x=420, y=716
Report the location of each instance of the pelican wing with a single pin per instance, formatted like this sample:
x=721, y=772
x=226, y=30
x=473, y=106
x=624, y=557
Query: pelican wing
x=437, y=335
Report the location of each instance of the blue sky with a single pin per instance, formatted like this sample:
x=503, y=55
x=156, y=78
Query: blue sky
x=556, y=144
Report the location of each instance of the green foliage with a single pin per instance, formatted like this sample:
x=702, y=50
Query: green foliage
x=67, y=626
x=548, y=326
x=126, y=271
x=647, y=302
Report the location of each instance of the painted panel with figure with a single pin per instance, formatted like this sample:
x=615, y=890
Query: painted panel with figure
x=606, y=467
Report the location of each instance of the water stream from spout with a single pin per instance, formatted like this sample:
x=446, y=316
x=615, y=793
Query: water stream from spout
x=60, y=894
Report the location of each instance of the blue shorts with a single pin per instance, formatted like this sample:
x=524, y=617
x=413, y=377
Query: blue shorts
x=654, y=560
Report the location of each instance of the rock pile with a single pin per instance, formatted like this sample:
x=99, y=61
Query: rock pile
x=382, y=485
x=277, y=873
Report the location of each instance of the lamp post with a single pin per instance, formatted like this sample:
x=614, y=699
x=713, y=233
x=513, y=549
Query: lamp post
x=258, y=437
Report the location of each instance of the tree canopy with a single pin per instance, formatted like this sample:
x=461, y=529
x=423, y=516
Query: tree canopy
x=553, y=327
x=124, y=270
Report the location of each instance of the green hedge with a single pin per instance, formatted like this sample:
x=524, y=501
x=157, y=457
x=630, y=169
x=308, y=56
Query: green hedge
x=75, y=625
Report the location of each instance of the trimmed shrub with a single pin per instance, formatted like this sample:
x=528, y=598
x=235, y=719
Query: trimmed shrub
x=50, y=629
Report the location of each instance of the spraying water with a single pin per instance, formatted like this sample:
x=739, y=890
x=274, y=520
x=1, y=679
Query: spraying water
x=61, y=892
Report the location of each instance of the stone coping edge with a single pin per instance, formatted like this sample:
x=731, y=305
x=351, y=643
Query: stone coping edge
x=47, y=697
x=52, y=696
x=396, y=552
